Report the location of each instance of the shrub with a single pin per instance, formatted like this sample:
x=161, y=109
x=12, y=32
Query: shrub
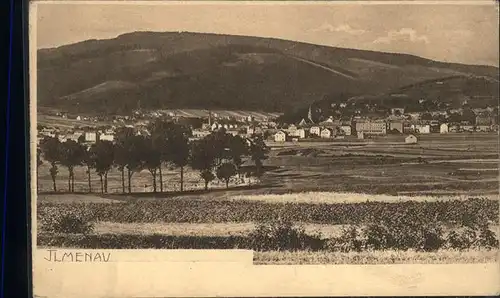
x=350, y=240
x=486, y=238
x=397, y=235
x=378, y=237
x=283, y=235
x=457, y=240
x=472, y=237
x=432, y=238
x=67, y=223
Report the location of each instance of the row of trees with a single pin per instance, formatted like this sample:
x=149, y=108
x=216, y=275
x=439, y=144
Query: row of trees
x=218, y=155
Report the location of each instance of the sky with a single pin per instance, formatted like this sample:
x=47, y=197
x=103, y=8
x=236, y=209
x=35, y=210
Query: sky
x=452, y=33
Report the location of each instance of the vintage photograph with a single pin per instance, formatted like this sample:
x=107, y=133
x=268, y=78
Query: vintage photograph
x=308, y=133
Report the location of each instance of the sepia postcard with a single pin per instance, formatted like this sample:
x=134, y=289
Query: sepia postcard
x=251, y=148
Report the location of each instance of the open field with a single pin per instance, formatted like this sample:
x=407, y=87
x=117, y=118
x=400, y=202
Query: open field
x=55, y=121
x=202, y=229
x=238, y=114
x=60, y=122
x=141, y=182
x=453, y=164
x=333, y=198
x=375, y=257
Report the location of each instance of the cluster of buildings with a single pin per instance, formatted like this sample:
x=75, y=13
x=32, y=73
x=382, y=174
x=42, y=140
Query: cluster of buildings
x=88, y=136
x=358, y=126
x=244, y=127
x=364, y=127
x=325, y=130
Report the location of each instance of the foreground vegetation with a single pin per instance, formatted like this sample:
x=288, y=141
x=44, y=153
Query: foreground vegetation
x=206, y=211
x=453, y=225
x=445, y=256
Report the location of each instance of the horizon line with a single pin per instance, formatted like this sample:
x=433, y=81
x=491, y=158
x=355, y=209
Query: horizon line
x=266, y=37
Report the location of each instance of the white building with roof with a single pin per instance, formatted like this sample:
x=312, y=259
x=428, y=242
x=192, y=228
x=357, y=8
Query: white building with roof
x=326, y=133
x=315, y=130
x=346, y=129
x=411, y=139
x=280, y=136
x=444, y=128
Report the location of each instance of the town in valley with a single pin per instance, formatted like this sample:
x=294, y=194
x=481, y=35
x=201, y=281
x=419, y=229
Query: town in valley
x=326, y=143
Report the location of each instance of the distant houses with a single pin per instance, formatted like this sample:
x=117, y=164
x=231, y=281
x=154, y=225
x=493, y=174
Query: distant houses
x=444, y=128
x=411, y=139
x=106, y=137
x=346, y=129
x=315, y=130
x=90, y=136
x=396, y=126
x=397, y=111
x=422, y=128
x=483, y=128
x=467, y=128
x=326, y=133
x=280, y=136
x=298, y=133
x=372, y=127
x=364, y=124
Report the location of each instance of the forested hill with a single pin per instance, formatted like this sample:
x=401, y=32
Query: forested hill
x=210, y=71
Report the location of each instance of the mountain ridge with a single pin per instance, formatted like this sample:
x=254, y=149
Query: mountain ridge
x=249, y=36
x=198, y=70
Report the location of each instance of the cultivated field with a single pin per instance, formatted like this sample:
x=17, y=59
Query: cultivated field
x=450, y=164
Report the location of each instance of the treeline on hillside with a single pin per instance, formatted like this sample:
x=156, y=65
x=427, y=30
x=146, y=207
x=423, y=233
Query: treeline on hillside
x=218, y=155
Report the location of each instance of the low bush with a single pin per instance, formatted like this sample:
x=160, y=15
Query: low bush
x=384, y=236
x=283, y=235
x=75, y=222
x=350, y=240
x=472, y=238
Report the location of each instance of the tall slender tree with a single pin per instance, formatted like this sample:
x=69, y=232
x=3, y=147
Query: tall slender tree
x=151, y=158
x=238, y=149
x=225, y=171
x=89, y=162
x=51, y=151
x=39, y=162
x=121, y=155
x=203, y=158
x=258, y=153
x=160, y=133
x=178, y=149
x=72, y=156
x=103, y=155
x=134, y=145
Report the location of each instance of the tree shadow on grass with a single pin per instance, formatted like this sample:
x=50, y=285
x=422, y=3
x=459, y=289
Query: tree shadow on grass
x=167, y=194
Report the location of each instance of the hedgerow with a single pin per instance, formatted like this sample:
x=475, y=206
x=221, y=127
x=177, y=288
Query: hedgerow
x=457, y=212
x=124, y=241
x=287, y=237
